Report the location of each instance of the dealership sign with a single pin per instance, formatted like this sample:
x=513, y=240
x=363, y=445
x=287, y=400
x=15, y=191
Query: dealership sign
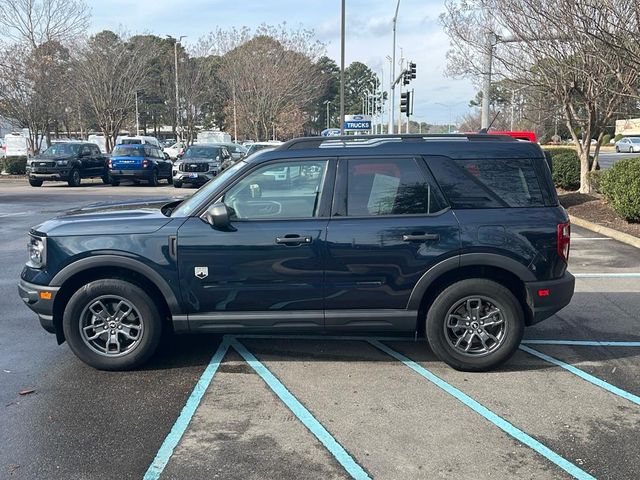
x=356, y=123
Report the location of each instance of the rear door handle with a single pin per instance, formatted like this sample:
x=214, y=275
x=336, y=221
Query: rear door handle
x=293, y=239
x=420, y=237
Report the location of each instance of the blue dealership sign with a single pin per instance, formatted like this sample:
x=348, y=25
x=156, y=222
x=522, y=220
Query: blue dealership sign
x=357, y=122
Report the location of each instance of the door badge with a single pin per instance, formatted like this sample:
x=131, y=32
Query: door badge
x=201, y=272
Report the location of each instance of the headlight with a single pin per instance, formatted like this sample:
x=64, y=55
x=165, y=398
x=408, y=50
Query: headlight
x=62, y=163
x=37, y=248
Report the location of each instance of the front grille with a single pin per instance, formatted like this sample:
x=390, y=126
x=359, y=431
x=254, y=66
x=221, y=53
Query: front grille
x=40, y=163
x=194, y=167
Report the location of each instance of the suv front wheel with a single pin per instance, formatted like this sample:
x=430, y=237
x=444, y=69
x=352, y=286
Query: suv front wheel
x=475, y=325
x=112, y=325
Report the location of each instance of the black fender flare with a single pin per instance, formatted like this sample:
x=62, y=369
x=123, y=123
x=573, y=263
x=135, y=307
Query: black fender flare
x=124, y=262
x=466, y=260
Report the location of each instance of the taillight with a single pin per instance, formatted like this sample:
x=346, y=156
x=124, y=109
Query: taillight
x=145, y=163
x=564, y=240
x=110, y=164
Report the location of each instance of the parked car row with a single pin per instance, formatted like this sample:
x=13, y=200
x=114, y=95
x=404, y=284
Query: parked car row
x=137, y=159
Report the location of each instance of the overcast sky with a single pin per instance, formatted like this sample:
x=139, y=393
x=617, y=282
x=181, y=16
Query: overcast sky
x=368, y=39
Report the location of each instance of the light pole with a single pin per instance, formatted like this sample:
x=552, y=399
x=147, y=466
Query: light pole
x=513, y=106
x=393, y=71
x=137, y=116
x=327, y=103
x=342, y=30
x=175, y=57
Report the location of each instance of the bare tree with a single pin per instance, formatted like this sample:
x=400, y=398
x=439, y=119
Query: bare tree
x=33, y=88
x=548, y=46
x=108, y=73
x=35, y=22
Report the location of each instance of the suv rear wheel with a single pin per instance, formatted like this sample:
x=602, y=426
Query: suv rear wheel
x=112, y=324
x=475, y=325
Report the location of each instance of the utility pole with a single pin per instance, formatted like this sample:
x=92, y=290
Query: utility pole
x=342, y=39
x=327, y=103
x=137, y=116
x=393, y=71
x=486, y=82
x=175, y=57
x=235, y=119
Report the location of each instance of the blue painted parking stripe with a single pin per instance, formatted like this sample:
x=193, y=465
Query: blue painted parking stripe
x=177, y=431
x=582, y=343
x=498, y=421
x=584, y=375
x=304, y=415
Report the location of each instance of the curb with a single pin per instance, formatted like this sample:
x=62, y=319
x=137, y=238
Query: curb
x=609, y=232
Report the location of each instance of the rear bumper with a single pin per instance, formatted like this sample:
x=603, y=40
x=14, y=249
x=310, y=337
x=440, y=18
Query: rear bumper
x=144, y=173
x=559, y=295
x=32, y=295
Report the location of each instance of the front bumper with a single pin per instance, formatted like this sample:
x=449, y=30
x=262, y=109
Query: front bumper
x=559, y=295
x=194, y=177
x=47, y=173
x=39, y=298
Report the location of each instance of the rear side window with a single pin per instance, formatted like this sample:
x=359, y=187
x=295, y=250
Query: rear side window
x=488, y=183
x=389, y=187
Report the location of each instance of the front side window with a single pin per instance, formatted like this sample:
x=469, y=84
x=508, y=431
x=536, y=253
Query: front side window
x=390, y=187
x=278, y=190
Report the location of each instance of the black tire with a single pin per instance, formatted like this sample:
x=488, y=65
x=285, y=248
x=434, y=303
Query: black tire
x=440, y=338
x=150, y=320
x=153, y=179
x=170, y=179
x=35, y=183
x=115, y=181
x=177, y=184
x=74, y=177
x=136, y=181
x=617, y=149
x=106, y=179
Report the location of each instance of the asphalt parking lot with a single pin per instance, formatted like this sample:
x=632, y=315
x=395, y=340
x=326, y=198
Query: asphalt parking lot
x=567, y=405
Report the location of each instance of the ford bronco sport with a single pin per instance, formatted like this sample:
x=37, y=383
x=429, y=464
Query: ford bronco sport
x=456, y=237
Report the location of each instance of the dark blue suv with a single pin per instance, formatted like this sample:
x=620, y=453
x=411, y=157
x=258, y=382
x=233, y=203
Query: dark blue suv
x=460, y=238
x=139, y=162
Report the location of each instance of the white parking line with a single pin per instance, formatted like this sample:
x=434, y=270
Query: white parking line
x=607, y=275
x=590, y=238
x=14, y=214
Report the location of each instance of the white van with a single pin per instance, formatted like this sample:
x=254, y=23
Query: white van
x=16, y=145
x=213, y=136
x=137, y=140
x=99, y=140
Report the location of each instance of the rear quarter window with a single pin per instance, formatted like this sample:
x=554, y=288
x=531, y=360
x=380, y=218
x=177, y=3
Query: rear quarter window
x=488, y=183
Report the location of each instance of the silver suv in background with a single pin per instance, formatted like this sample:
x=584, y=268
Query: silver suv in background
x=199, y=164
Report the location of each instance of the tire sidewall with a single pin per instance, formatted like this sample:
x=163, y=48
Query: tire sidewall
x=436, y=316
x=132, y=293
x=73, y=181
x=153, y=180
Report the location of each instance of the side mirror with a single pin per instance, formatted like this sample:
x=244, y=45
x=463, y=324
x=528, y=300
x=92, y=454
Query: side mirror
x=217, y=215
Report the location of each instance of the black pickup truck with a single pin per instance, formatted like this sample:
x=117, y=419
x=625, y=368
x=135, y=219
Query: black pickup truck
x=68, y=161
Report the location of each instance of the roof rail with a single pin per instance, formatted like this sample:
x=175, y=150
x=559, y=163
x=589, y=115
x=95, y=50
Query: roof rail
x=377, y=140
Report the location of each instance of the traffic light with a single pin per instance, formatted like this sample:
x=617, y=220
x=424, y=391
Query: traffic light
x=405, y=103
x=412, y=70
x=405, y=78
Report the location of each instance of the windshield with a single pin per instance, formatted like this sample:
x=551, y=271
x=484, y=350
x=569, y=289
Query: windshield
x=61, y=149
x=131, y=141
x=122, y=151
x=187, y=207
x=202, y=152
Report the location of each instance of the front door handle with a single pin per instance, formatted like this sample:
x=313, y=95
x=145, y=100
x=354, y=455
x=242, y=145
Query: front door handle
x=293, y=239
x=420, y=237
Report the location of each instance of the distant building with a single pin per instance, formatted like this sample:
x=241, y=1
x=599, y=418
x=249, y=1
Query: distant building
x=630, y=126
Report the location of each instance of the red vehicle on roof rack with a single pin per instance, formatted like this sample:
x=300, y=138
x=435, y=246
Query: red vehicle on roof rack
x=529, y=136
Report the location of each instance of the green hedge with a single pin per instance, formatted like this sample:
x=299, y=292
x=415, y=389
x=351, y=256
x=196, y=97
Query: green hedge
x=15, y=165
x=605, y=140
x=621, y=186
x=566, y=167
